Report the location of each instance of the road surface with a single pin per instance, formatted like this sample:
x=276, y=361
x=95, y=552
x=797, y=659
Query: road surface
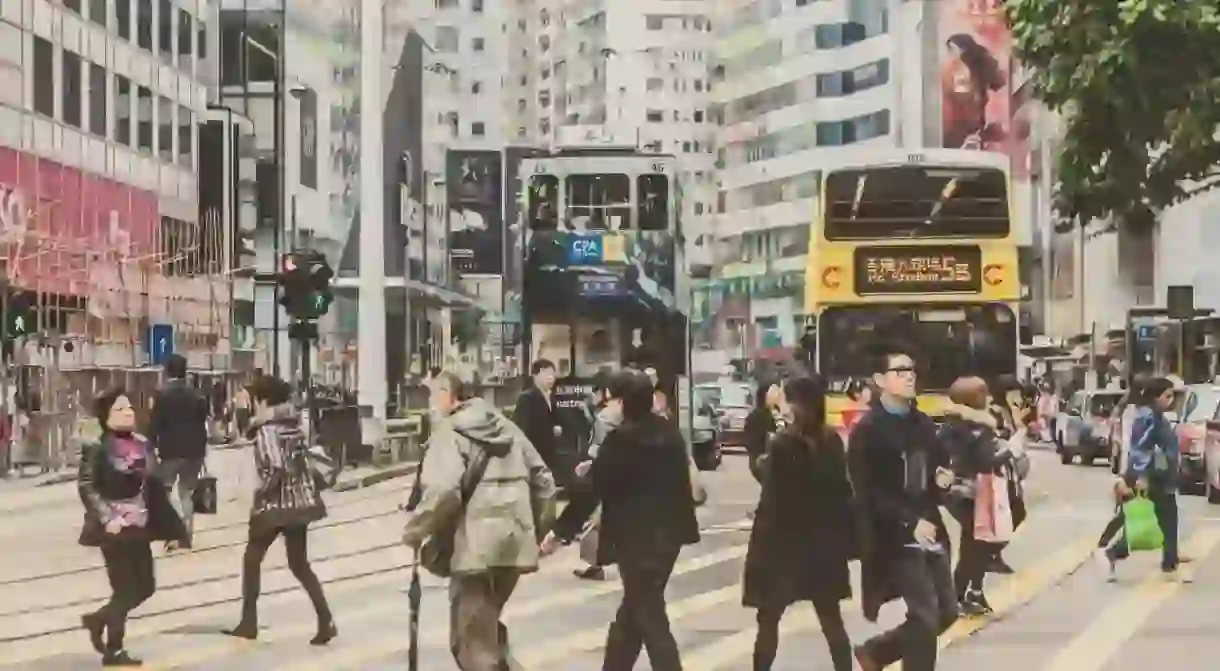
x=1058, y=613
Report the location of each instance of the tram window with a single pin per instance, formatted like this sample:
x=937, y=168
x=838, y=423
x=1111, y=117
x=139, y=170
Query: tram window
x=544, y=202
x=654, y=202
x=600, y=202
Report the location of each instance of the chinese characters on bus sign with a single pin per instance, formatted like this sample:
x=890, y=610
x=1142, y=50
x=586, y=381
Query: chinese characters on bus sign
x=914, y=270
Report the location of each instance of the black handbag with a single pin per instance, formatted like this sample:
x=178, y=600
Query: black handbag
x=204, y=498
x=436, y=554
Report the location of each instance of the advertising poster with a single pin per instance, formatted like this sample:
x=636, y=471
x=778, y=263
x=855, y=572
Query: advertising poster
x=309, y=139
x=975, y=68
x=476, y=224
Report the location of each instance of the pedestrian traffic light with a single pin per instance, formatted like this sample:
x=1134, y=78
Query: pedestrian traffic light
x=305, y=285
x=20, y=315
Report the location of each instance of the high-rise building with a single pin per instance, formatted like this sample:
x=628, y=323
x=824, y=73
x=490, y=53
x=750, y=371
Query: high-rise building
x=101, y=103
x=800, y=86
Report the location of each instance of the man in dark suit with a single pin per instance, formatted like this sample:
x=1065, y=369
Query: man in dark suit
x=179, y=432
x=898, y=469
x=540, y=419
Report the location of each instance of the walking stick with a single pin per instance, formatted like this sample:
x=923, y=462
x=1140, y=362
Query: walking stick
x=413, y=599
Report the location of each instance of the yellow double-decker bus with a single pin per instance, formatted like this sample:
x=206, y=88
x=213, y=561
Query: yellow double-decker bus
x=918, y=249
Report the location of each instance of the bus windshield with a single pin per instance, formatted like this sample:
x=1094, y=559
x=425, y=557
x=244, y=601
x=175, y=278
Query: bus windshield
x=946, y=341
x=916, y=202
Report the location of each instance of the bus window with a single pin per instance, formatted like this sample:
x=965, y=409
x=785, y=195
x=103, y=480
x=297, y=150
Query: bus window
x=598, y=202
x=654, y=202
x=916, y=202
x=946, y=341
x=544, y=202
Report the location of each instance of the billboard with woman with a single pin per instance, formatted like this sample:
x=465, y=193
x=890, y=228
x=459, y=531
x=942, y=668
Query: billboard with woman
x=974, y=74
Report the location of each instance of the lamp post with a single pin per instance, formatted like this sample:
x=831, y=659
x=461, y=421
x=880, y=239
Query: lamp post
x=372, y=392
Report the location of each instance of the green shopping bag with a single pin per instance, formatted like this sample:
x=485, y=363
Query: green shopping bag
x=1140, y=527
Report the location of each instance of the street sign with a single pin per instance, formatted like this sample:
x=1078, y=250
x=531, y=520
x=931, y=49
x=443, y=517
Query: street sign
x=1145, y=332
x=159, y=343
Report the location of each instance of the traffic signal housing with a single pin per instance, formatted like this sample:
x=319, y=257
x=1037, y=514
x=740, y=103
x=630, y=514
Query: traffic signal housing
x=305, y=290
x=20, y=315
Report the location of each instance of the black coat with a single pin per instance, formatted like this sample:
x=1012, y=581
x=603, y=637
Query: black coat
x=98, y=482
x=759, y=426
x=641, y=478
x=892, y=463
x=538, y=420
x=800, y=545
x=178, y=427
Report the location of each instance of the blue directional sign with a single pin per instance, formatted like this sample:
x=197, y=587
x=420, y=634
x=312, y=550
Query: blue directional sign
x=584, y=250
x=1145, y=332
x=159, y=343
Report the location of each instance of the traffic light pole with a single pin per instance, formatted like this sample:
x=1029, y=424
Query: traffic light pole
x=311, y=405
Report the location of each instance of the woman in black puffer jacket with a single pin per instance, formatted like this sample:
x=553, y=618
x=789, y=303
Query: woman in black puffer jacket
x=971, y=439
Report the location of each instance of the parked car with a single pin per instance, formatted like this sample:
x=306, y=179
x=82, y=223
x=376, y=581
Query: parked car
x=705, y=438
x=731, y=404
x=1082, y=429
x=1199, y=406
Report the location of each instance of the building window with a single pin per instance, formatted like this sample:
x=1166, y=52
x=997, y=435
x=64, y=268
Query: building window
x=476, y=6
x=655, y=116
x=478, y=44
x=166, y=129
x=654, y=22
x=654, y=84
x=144, y=119
x=122, y=17
x=521, y=131
x=122, y=110
x=544, y=98
x=698, y=116
x=478, y=129
x=447, y=38
x=186, y=136
x=476, y=88
x=144, y=24
x=98, y=13
x=186, y=39
x=165, y=16
x=70, y=91
x=74, y=5
x=521, y=104
x=44, y=77
x=97, y=100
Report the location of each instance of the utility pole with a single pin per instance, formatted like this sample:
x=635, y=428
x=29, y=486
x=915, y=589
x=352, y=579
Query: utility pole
x=371, y=384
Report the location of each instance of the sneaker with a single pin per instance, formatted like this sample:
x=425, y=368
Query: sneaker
x=121, y=658
x=590, y=573
x=1178, y=575
x=1106, y=563
x=974, y=604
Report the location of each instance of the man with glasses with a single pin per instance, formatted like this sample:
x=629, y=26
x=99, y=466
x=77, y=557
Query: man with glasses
x=899, y=473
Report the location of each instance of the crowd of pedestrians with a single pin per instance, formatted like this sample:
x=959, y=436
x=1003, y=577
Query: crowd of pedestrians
x=482, y=512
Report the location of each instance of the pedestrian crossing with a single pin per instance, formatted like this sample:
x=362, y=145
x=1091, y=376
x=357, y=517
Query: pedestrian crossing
x=558, y=623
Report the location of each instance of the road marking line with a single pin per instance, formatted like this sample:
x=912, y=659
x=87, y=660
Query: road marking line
x=1008, y=595
x=594, y=637
x=372, y=651
x=1102, y=639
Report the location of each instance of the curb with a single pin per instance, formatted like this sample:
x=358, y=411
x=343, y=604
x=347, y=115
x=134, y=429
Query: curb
x=376, y=477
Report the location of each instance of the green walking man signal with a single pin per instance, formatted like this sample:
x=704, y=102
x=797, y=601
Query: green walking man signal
x=20, y=315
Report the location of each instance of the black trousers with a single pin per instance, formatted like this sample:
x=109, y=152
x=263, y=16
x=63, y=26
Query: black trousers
x=641, y=621
x=830, y=616
x=926, y=585
x=975, y=555
x=295, y=545
x=129, y=567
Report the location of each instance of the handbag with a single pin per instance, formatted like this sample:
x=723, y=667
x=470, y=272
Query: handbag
x=993, y=521
x=204, y=499
x=1140, y=526
x=436, y=554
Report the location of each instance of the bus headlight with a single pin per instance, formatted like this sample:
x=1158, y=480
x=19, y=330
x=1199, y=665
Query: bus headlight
x=831, y=277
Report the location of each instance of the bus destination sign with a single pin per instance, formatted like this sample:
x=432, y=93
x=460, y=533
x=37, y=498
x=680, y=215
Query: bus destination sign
x=918, y=270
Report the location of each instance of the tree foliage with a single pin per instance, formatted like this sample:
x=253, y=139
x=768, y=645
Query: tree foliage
x=1138, y=85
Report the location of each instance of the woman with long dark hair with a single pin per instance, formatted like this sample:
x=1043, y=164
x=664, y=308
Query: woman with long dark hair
x=800, y=544
x=967, y=84
x=286, y=502
x=126, y=509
